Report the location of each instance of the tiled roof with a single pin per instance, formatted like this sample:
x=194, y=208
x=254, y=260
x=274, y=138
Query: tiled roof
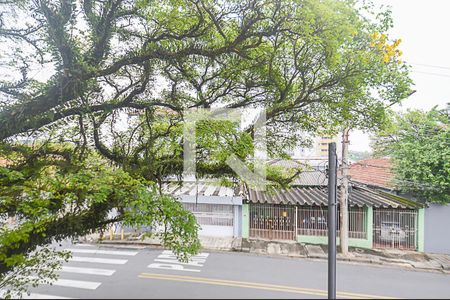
x=373, y=171
x=317, y=196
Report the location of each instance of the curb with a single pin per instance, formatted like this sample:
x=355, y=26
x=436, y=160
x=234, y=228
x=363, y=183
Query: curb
x=381, y=262
x=116, y=242
x=154, y=245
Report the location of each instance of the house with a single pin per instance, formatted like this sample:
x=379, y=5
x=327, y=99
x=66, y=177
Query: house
x=218, y=208
x=377, y=174
x=300, y=214
x=379, y=216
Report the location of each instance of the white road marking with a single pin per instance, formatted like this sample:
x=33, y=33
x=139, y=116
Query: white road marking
x=99, y=260
x=107, y=252
x=84, y=245
x=169, y=254
x=35, y=296
x=194, y=263
x=90, y=271
x=167, y=260
x=130, y=247
x=79, y=284
x=171, y=267
x=42, y=296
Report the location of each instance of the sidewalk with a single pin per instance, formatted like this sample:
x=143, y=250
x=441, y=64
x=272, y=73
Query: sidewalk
x=207, y=242
x=399, y=258
x=405, y=259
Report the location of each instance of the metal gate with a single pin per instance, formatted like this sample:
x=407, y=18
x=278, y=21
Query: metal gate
x=215, y=220
x=274, y=222
x=395, y=228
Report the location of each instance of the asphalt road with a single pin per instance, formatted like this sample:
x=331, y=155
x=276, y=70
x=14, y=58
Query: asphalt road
x=153, y=273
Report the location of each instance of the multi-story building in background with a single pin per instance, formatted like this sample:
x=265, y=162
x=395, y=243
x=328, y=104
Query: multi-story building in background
x=322, y=142
x=318, y=149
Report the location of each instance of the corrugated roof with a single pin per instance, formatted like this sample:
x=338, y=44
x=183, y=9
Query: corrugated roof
x=310, y=178
x=317, y=196
x=299, y=163
x=199, y=189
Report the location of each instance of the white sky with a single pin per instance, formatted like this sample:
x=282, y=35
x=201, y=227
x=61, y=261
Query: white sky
x=424, y=27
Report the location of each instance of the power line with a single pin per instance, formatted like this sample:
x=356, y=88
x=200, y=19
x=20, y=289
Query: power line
x=432, y=66
x=394, y=181
x=430, y=73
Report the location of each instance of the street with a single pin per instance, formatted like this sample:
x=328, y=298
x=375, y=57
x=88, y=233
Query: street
x=104, y=272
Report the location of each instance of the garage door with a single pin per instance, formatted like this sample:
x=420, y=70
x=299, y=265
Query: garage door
x=214, y=219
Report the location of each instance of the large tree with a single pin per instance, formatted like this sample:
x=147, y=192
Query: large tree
x=53, y=195
x=117, y=76
x=419, y=144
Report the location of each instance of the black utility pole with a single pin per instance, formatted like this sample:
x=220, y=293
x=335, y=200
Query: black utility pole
x=332, y=161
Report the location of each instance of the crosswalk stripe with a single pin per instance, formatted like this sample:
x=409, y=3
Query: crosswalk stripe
x=99, y=260
x=42, y=296
x=129, y=247
x=107, y=252
x=80, y=284
x=35, y=296
x=90, y=271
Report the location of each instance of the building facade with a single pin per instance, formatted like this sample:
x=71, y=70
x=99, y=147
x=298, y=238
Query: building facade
x=218, y=209
x=300, y=213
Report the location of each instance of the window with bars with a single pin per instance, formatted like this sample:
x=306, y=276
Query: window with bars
x=211, y=214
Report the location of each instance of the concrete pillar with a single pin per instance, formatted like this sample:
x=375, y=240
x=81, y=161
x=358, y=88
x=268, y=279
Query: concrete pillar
x=245, y=220
x=369, y=226
x=421, y=230
x=237, y=224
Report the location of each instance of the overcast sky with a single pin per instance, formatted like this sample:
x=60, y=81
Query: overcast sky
x=424, y=27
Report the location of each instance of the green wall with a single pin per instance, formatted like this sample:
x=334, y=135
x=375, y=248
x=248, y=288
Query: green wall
x=361, y=243
x=309, y=239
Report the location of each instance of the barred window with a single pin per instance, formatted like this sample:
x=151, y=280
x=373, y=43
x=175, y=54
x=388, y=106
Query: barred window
x=211, y=214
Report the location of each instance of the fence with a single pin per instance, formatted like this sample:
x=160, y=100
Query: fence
x=275, y=222
x=280, y=222
x=395, y=228
x=313, y=221
x=392, y=228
